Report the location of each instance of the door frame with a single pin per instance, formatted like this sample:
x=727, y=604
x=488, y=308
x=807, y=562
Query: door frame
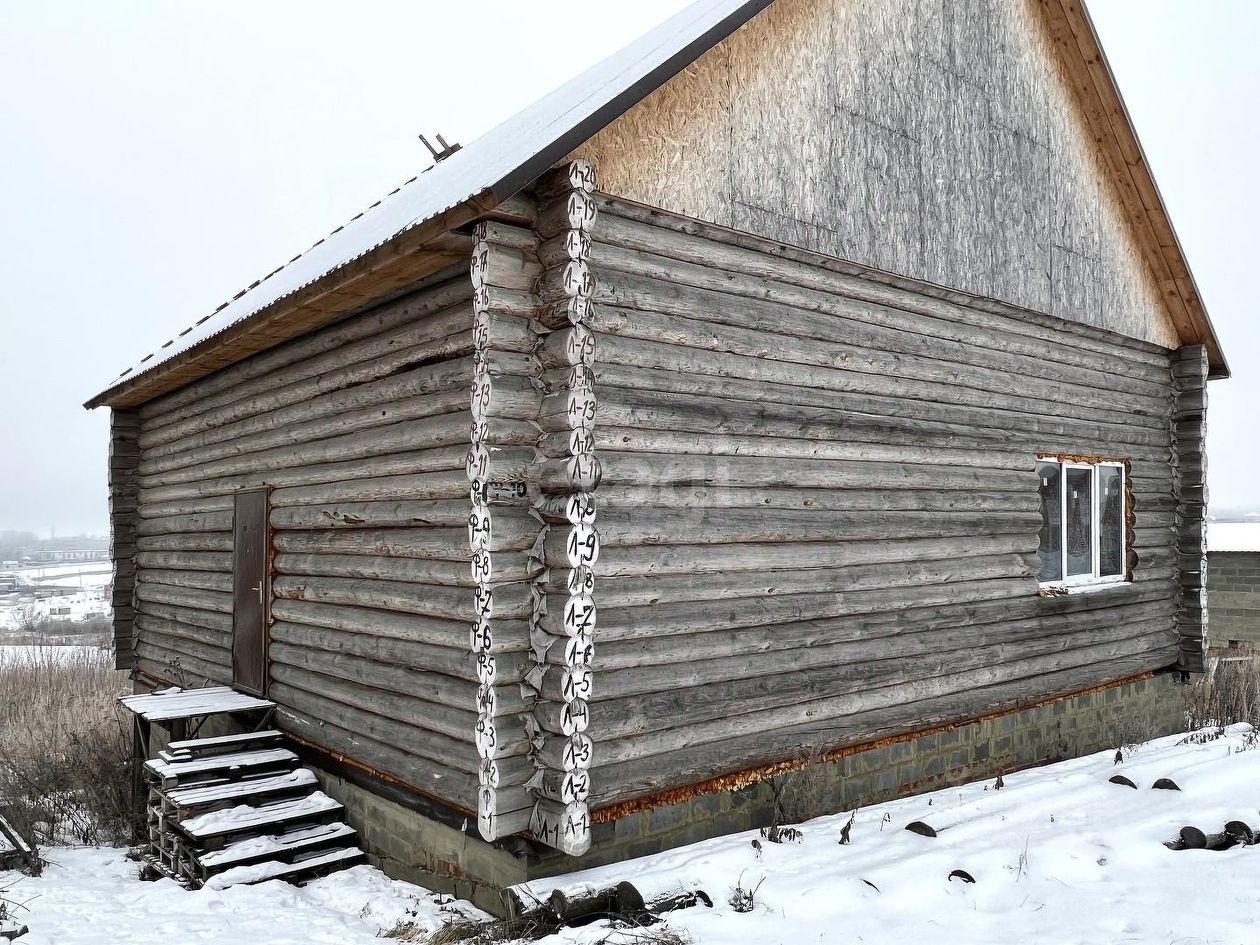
x=265, y=593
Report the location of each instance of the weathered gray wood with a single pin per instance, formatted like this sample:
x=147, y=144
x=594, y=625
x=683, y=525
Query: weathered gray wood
x=195, y=522
x=873, y=614
x=650, y=355
x=206, y=580
x=448, y=660
x=190, y=541
x=451, y=544
x=218, y=621
x=413, y=570
x=646, y=776
x=442, y=430
x=509, y=600
x=185, y=561
x=647, y=525
x=447, y=483
x=406, y=514
x=834, y=695
x=427, y=776
x=177, y=667
x=784, y=266
x=181, y=637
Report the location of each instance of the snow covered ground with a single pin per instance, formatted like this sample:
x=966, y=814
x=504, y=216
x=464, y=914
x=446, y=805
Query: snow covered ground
x=1059, y=855
x=91, y=896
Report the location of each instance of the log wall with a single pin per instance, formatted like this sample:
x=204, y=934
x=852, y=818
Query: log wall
x=819, y=510
x=362, y=432
x=124, y=454
x=1190, y=368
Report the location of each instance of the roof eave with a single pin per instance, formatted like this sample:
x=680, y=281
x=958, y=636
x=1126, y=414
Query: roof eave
x=405, y=258
x=1091, y=74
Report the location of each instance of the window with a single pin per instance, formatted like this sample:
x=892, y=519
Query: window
x=1083, y=521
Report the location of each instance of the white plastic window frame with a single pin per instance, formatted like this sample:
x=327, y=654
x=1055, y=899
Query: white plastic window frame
x=1094, y=579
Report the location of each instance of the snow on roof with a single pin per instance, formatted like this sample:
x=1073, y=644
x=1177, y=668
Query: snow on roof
x=502, y=161
x=1233, y=536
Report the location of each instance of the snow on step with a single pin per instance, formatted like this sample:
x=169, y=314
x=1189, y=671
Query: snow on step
x=261, y=872
x=238, y=760
x=273, y=846
x=168, y=704
x=194, y=745
x=244, y=817
x=216, y=793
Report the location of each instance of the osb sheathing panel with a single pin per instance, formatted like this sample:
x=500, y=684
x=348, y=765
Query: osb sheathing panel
x=938, y=139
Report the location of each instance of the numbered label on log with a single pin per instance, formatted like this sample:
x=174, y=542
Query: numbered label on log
x=581, y=546
x=487, y=700
x=482, y=396
x=567, y=827
x=479, y=528
x=584, y=471
x=488, y=772
x=577, y=508
x=567, y=787
x=487, y=737
x=480, y=637
x=579, y=616
x=486, y=667
x=482, y=567
x=579, y=651
x=483, y=602
x=574, y=717
x=477, y=466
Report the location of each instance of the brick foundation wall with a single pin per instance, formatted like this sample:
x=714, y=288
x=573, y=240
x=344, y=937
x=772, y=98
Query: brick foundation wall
x=1233, y=582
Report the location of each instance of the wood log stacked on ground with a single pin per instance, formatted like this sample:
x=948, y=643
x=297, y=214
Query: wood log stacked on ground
x=505, y=393
x=563, y=622
x=240, y=809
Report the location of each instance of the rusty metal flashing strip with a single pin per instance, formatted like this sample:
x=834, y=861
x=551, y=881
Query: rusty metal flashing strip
x=741, y=779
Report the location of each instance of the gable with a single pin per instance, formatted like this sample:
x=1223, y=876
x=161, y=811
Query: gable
x=934, y=139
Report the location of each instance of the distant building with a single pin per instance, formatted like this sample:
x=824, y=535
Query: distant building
x=1233, y=582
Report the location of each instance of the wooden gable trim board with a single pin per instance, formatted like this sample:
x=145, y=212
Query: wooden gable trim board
x=419, y=251
x=1109, y=121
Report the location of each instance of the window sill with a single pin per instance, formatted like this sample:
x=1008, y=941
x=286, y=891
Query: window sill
x=1061, y=590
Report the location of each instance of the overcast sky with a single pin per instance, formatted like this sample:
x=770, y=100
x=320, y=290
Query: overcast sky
x=156, y=157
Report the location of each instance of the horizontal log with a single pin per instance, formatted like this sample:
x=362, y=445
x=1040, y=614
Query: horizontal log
x=771, y=271
x=511, y=532
x=412, y=462
x=432, y=393
x=186, y=561
x=505, y=568
x=451, y=603
x=331, y=675
x=185, y=597
x=675, y=559
x=647, y=525
x=179, y=668
x=184, y=507
x=450, y=483
x=615, y=592
x=182, y=638
x=442, y=292
x=844, y=648
x=405, y=514
x=653, y=356
x=642, y=777
x=175, y=524
x=509, y=636
x=447, y=660
x=206, y=580
x=903, y=681
x=439, y=431
x=776, y=338
x=442, y=757
x=218, y=621
x=877, y=613
x=191, y=541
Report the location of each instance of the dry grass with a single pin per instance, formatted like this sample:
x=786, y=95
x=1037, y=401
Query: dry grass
x=65, y=747
x=1229, y=693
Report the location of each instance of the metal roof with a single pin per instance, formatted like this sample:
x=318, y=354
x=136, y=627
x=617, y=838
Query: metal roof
x=502, y=161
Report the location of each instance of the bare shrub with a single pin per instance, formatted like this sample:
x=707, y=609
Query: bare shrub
x=744, y=898
x=1229, y=693
x=65, y=746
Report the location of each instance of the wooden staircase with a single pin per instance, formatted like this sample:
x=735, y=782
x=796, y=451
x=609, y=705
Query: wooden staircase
x=240, y=809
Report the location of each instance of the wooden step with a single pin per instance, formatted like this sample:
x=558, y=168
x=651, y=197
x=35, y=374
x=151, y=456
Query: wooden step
x=317, y=865
x=230, y=766
x=169, y=704
x=284, y=846
x=245, y=819
x=190, y=748
x=183, y=801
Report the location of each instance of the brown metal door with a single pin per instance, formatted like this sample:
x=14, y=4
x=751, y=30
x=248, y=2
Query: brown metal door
x=251, y=592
